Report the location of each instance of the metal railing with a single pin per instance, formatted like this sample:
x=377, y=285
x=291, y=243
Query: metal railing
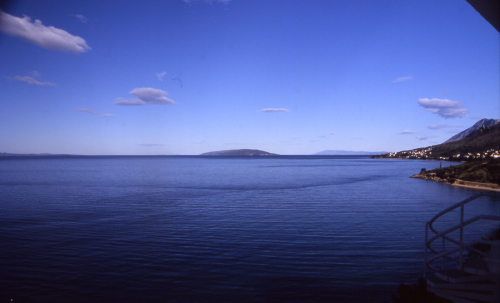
x=459, y=246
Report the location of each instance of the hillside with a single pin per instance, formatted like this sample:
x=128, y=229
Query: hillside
x=481, y=151
x=479, y=173
x=482, y=144
x=239, y=152
x=478, y=125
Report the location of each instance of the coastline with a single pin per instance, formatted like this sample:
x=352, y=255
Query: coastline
x=461, y=183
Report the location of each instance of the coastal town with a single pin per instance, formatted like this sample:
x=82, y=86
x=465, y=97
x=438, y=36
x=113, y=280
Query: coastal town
x=426, y=154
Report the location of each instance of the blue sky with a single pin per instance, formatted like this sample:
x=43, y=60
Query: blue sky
x=184, y=77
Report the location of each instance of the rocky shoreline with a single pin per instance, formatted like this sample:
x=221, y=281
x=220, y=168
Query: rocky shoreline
x=461, y=183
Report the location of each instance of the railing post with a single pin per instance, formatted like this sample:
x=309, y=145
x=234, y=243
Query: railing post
x=442, y=265
x=461, y=235
x=425, y=251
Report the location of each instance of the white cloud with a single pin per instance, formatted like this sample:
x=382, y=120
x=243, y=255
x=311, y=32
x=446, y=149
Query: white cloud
x=408, y=132
x=402, y=79
x=273, y=110
x=444, y=107
x=361, y=138
x=151, y=95
x=108, y=115
x=32, y=80
x=123, y=101
x=145, y=96
x=439, y=103
x=44, y=36
x=161, y=75
x=82, y=18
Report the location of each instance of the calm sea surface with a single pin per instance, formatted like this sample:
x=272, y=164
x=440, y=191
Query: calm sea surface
x=221, y=229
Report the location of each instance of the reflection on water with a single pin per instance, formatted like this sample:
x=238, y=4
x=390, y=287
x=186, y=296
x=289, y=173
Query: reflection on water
x=181, y=229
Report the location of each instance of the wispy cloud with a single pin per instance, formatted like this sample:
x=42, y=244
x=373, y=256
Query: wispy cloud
x=326, y=135
x=86, y=110
x=441, y=126
x=422, y=138
x=144, y=96
x=149, y=144
x=32, y=80
x=444, y=107
x=44, y=36
x=93, y=112
x=407, y=132
x=274, y=110
x=82, y=18
x=123, y=101
x=161, y=75
x=402, y=79
x=361, y=138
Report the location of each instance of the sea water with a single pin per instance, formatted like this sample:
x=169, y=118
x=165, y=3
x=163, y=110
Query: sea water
x=218, y=229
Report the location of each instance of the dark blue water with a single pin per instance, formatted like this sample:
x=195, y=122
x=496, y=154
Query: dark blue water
x=201, y=229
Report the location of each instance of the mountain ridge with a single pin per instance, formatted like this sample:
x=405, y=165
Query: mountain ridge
x=479, y=124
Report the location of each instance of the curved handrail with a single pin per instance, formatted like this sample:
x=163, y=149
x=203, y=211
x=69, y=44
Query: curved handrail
x=465, y=223
x=445, y=254
x=462, y=203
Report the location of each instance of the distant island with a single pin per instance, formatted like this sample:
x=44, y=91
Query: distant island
x=346, y=153
x=34, y=155
x=239, y=152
